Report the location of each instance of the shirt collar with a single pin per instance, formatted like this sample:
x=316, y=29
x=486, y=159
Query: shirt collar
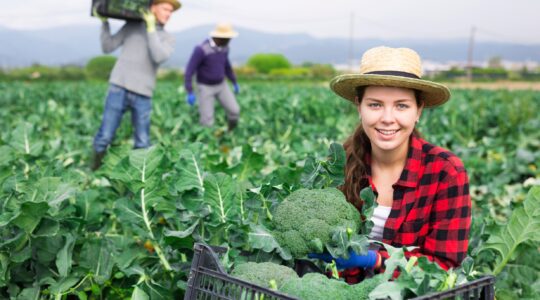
x=410, y=174
x=214, y=45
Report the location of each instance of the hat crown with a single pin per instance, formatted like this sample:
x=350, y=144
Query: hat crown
x=223, y=28
x=391, y=59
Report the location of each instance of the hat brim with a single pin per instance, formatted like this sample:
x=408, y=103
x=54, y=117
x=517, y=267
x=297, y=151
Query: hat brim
x=431, y=93
x=222, y=35
x=176, y=4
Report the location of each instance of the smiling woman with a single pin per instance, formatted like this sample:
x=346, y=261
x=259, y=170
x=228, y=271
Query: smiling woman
x=422, y=190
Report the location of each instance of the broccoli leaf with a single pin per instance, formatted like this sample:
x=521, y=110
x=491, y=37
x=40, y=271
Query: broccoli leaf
x=260, y=238
x=368, y=206
x=342, y=242
x=523, y=226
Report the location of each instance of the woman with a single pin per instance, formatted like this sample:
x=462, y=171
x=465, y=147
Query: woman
x=422, y=190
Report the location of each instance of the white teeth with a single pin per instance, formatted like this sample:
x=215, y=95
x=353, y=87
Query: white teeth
x=387, y=132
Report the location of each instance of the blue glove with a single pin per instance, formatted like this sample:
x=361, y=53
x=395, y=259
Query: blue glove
x=236, y=88
x=354, y=261
x=191, y=99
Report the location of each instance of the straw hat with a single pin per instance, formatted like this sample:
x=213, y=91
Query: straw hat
x=224, y=30
x=395, y=67
x=176, y=5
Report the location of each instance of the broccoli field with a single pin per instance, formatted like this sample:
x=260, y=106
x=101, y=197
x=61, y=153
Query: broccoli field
x=127, y=230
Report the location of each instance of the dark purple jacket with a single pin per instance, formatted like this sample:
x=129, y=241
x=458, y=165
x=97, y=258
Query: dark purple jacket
x=210, y=63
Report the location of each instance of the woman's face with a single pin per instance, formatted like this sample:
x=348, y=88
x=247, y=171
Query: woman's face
x=388, y=116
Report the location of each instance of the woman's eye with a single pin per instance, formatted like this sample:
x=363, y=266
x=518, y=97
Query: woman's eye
x=374, y=105
x=402, y=106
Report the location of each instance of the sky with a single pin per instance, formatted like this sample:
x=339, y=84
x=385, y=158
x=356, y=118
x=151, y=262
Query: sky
x=515, y=21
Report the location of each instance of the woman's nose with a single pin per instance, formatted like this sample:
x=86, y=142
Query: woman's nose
x=388, y=115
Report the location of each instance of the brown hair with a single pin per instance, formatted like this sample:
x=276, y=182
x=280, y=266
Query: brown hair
x=356, y=147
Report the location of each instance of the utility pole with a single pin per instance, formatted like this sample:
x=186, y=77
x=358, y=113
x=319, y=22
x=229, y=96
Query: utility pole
x=470, y=55
x=351, y=43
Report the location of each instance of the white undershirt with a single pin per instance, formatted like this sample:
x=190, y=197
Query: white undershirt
x=380, y=215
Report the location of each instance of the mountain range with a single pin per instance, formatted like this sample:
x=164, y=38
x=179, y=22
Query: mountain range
x=77, y=44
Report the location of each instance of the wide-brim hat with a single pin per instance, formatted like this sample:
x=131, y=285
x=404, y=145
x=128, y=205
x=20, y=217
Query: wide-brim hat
x=175, y=3
x=393, y=67
x=224, y=31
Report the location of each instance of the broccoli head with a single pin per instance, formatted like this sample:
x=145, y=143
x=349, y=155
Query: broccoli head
x=263, y=273
x=305, y=220
x=360, y=291
x=315, y=286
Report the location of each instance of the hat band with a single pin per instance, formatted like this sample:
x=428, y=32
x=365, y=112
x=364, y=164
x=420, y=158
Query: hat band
x=395, y=73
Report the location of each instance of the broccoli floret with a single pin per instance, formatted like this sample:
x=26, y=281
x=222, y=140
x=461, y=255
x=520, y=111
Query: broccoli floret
x=360, y=291
x=262, y=273
x=305, y=220
x=314, y=286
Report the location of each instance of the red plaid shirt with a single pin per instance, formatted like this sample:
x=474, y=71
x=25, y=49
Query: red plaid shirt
x=432, y=207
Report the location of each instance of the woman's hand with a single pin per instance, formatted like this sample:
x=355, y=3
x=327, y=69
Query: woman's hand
x=371, y=260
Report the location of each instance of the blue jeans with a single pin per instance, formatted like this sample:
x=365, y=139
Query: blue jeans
x=119, y=100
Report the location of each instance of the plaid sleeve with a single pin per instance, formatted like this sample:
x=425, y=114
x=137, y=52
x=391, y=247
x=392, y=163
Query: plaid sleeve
x=448, y=237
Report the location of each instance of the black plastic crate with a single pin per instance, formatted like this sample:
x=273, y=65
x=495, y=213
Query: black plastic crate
x=208, y=280
x=121, y=9
x=479, y=289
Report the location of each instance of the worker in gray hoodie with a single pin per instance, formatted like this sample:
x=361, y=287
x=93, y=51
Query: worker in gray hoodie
x=145, y=45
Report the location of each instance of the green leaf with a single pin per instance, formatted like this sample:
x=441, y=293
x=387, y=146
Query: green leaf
x=336, y=164
x=129, y=212
x=329, y=172
x=53, y=191
x=4, y=270
x=220, y=194
x=22, y=255
x=139, y=294
x=146, y=161
x=6, y=156
x=341, y=243
x=181, y=233
x=63, y=285
x=32, y=293
x=97, y=256
x=30, y=215
x=191, y=174
x=24, y=141
x=127, y=174
x=89, y=206
x=155, y=291
x=47, y=248
x=47, y=227
x=250, y=162
x=523, y=226
x=261, y=238
x=64, y=257
x=387, y=290
x=368, y=207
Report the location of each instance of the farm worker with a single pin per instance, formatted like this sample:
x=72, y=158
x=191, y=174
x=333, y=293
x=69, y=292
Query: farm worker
x=422, y=189
x=210, y=62
x=145, y=45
